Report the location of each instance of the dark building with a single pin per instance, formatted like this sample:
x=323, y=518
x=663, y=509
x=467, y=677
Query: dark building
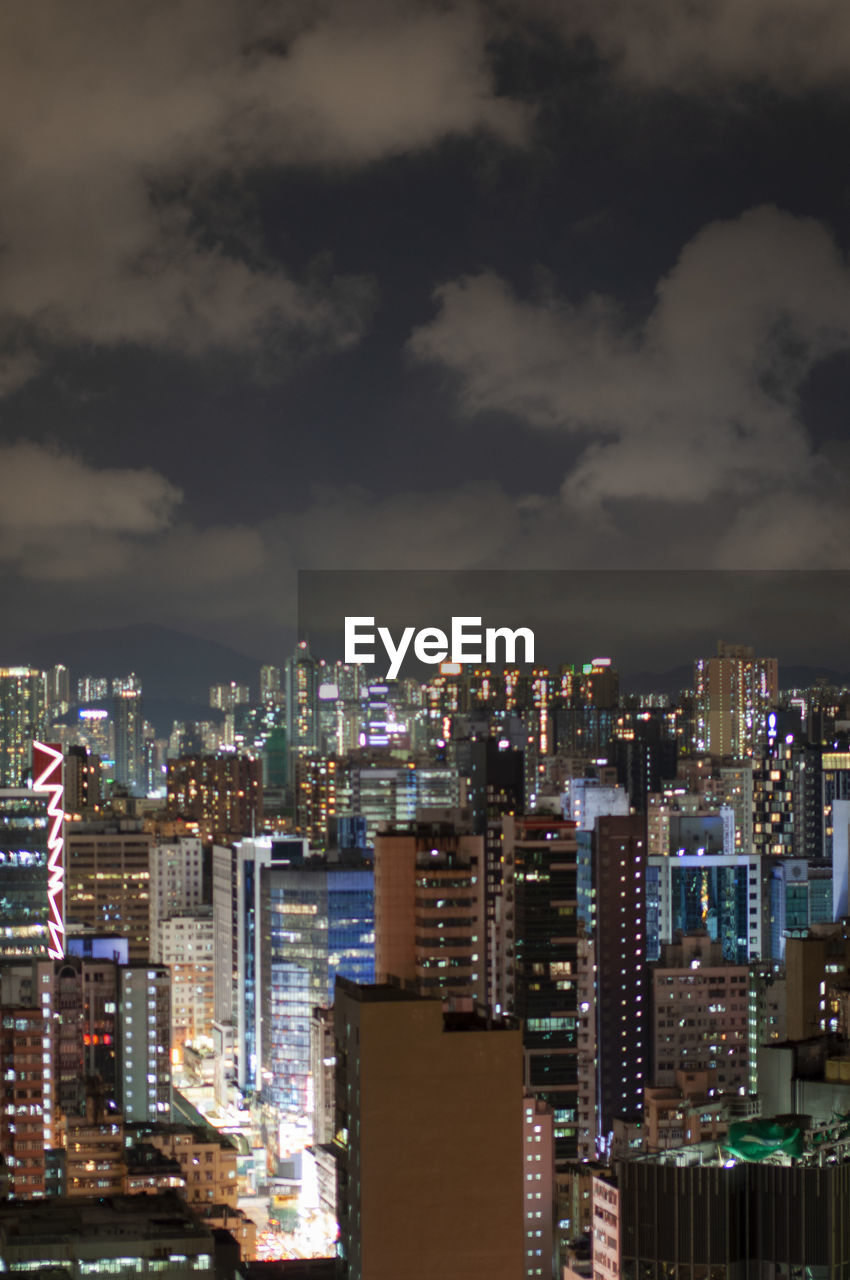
x=539, y=963
x=222, y=795
x=622, y=1000
x=645, y=759
x=748, y=1222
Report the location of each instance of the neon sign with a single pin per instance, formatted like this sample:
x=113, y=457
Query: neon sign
x=47, y=776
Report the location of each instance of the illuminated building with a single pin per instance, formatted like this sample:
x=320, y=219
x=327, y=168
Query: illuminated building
x=23, y=720
x=144, y=1042
x=227, y=697
x=185, y=945
x=429, y=1140
x=221, y=795
x=539, y=962
x=207, y=1162
x=721, y=893
x=700, y=1010
x=23, y=1124
x=92, y=689
x=316, y=798
x=82, y=780
x=129, y=741
x=622, y=996
x=271, y=689
x=301, y=679
x=285, y=925
x=109, y=880
x=58, y=690
x=393, y=793
x=734, y=692
x=107, y=1236
x=32, y=861
x=429, y=906
x=177, y=881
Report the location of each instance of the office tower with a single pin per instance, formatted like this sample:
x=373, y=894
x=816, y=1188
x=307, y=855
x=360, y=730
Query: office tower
x=32, y=861
x=227, y=697
x=418, y=1093
x=700, y=1010
x=622, y=997
x=222, y=796
x=540, y=956
x=23, y=1125
x=429, y=906
x=734, y=692
x=82, y=780
x=109, y=880
x=285, y=925
x=129, y=742
x=177, y=882
x=184, y=944
x=585, y=709
x=23, y=721
x=144, y=1042
x=301, y=688
x=315, y=919
x=382, y=792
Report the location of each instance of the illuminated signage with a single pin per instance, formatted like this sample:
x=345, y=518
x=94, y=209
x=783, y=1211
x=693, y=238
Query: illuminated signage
x=47, y=776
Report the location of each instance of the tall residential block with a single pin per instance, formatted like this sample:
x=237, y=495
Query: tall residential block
x=430, y=1139
x=734, y=691
x=23, y=720
x=109, y=881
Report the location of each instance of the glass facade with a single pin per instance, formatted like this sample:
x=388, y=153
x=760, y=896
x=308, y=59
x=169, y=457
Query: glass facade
x=24, y=904
x=316, y=923
x=714, y=898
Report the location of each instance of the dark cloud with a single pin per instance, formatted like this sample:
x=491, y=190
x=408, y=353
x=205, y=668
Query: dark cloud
x=110, y=114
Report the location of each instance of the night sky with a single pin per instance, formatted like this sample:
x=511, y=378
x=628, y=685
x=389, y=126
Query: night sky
x=545, y=284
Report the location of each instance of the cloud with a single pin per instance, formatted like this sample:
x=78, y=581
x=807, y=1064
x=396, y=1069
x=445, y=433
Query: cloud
x=118, y=120
x=695, y=46
x=698, y=402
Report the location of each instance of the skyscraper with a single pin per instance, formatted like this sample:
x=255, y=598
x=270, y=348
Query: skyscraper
x=734, y=692
x=32, y=861
x=23, y=720
x=129, y=743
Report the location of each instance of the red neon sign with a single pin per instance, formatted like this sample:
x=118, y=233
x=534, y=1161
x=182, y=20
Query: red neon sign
x=47, y=776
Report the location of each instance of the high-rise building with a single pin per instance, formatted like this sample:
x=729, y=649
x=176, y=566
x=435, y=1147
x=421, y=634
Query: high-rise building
x=109, y=880
x=144, y=1042
x=184, y=944
x=429, y=906
x=82, y=780
x=622, y=996
x=429, y=1131
x=271, y=689
x=222, y=795
x=734, y=692
x=32, y=861
x=129, y=740
x=22, y=1126
x=700, y=1011
x=301, y=684
x=540, y=958
x=58, y=690
x=227, y=697
x=177, y=881
x=23, y=721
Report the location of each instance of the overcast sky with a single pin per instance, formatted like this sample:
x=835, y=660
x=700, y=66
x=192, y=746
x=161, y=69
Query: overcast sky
x=342, y=284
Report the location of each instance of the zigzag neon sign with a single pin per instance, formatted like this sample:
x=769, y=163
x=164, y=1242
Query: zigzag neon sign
x=47, y=776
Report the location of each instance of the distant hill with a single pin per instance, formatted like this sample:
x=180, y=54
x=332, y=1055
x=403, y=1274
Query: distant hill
x=173, y=667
